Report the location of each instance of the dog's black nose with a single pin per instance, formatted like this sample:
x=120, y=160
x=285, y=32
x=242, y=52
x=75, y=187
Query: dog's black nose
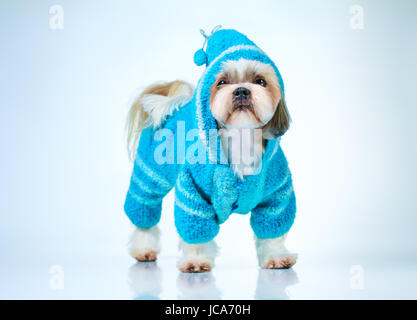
x=241, y=93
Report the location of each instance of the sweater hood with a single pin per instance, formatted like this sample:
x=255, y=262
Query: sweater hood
x=221, y=46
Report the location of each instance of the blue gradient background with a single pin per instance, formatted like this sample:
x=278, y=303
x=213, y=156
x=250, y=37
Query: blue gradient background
x=65, y=96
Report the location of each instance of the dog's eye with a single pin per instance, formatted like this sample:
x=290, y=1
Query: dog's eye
x=221, y=82
x=261, y=82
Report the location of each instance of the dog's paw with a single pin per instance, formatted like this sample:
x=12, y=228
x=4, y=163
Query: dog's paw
x=144, y=244
x=280, y=262
x=194, y=265
x=144, y=256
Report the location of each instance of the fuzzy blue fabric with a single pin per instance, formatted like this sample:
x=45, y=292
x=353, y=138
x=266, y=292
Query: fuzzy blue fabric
x=207, y=191
x=200, y=57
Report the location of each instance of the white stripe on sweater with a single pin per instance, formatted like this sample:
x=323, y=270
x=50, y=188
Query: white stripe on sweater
x=161, y=181
x=285, y=180
x=276, y=210
x=180, y=188
x=145, y=188
x=146, y=201
x=287, y=193
x=200, y=213
x=283, y=199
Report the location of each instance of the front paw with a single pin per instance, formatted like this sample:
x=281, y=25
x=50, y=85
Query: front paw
x=194, y=265
x=144, y=244
x=144, y=255
x=279, y=262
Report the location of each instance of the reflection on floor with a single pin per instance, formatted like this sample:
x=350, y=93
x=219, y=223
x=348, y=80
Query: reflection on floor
x=145, y=281
x=110, y=277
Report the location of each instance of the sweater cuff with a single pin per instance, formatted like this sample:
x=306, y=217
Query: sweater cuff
x=194, y=228
x=273, y=222
x=140, y=214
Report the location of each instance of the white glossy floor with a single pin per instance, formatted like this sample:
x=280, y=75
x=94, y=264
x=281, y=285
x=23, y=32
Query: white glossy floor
x=122, y=278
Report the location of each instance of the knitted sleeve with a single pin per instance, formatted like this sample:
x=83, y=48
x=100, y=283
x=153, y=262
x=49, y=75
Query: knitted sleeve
x=144, y=198
x=195, y=218
x=275, y=215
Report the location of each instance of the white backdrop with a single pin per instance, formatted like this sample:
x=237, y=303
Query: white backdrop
x=65, y=94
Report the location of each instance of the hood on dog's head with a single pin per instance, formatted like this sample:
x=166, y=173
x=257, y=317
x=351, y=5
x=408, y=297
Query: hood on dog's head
x=222, y=46
x=229, y=44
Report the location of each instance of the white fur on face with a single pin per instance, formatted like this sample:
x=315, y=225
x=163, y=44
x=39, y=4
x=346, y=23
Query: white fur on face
x=264, y=100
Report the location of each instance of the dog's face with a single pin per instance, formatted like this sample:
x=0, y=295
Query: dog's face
x=247, y=94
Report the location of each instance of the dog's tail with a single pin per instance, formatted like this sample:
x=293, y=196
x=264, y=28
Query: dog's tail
x=153, y=106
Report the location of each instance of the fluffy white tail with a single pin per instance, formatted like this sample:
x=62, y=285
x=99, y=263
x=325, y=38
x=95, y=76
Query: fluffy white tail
x=153, y=106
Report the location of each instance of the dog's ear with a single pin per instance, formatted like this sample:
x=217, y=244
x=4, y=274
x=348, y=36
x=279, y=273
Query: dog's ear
x=279, y=123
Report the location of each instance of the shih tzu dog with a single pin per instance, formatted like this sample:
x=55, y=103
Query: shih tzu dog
x=234, y=121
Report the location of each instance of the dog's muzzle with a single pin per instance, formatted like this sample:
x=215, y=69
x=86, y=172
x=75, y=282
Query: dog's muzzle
x=241, y=99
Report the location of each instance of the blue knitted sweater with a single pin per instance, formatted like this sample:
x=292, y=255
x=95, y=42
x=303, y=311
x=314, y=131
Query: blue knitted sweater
x=207, y=191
